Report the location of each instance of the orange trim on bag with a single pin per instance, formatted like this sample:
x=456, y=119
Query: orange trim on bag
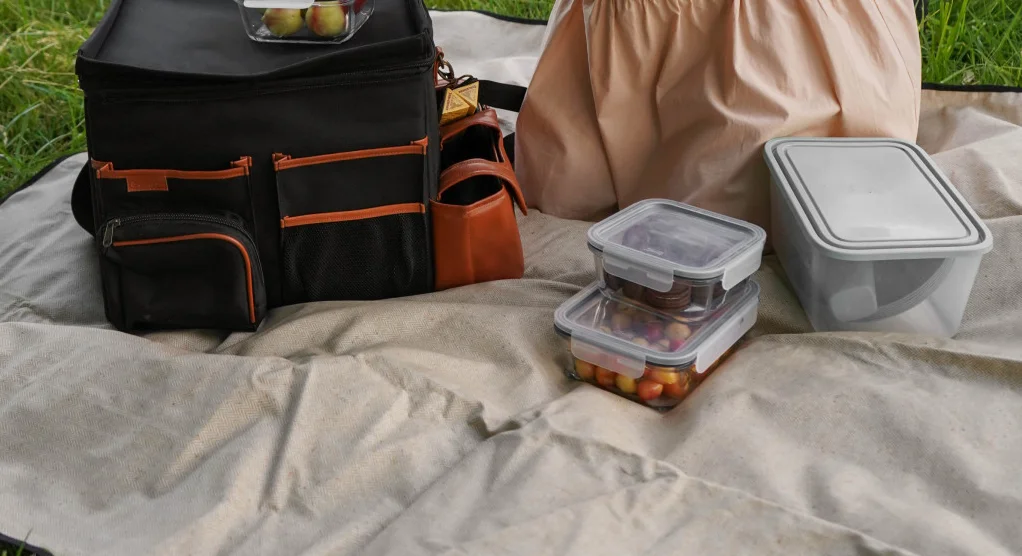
x=285, y=162
x=156, y=180
x=223, y=237
x=349, y=215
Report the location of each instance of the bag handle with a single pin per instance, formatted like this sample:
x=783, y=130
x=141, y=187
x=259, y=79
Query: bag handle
x=475, y=167
x=487, y=118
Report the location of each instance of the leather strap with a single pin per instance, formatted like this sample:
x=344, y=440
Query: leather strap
x=475, y=167
x=487, y=117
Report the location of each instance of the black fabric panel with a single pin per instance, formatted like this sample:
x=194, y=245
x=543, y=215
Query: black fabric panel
x=351, y=184
x=200, y=131
x=375, y=258
x=185, y=196
x=203, y=38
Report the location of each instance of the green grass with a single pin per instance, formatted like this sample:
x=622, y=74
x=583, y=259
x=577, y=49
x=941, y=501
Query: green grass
x=964, y=42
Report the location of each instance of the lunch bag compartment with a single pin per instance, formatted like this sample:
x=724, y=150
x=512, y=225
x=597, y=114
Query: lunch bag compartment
x=364, y=254
x=124, y=192
x=353, y=224
x=167, y=271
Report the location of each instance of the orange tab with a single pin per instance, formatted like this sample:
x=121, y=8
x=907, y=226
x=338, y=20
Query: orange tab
x=146, y=182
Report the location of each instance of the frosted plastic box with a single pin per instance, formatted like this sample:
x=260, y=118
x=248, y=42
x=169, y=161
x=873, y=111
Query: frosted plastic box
x=675, y=257
x=872, y=236
x=304, y=21
x=644, y=355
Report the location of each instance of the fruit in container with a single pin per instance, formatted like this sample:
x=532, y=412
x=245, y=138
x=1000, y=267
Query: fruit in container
x=282, y=21
x=676, y=331
x=621, y=321
x=649, y=390
x=606, y=377
x=661, y=375
x=677, y=390
x=626, y=384
x=654, y=331
x=584, y=369
x=326, y=19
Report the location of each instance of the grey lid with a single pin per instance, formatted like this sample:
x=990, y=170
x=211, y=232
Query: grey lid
x=665, y=239
x=580, y=317
x=871, y=199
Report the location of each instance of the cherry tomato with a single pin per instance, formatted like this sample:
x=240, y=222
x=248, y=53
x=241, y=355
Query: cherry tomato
x=676, y=390
x=661, y=375
x=626, y=384
x=606, y=378
x=649, y=390
x=584, y=369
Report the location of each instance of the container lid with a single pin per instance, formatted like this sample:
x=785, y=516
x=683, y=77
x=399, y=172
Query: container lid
x=584, y=318
x=657, y=240
x=872, y=199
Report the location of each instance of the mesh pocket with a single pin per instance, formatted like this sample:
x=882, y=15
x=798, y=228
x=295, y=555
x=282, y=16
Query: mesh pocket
x=374, y=258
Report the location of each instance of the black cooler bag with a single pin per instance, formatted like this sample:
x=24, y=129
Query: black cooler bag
x=228, y=176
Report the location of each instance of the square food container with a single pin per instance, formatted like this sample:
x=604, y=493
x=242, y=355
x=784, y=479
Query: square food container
x=304, y=21
x=675, y=257
x=872, y=235
x=644, y=355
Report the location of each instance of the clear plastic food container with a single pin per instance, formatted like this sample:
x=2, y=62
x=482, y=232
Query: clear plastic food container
x=872, y=235
x=304, y=21
x=644, y=355
x=675, y=257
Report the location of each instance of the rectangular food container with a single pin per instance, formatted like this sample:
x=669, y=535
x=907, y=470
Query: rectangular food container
x=872, y=235
x=644, y=355
x=304, y=21
x=675, y=257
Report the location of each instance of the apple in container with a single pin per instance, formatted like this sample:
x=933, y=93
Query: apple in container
x=327, y=19
x=282, y=21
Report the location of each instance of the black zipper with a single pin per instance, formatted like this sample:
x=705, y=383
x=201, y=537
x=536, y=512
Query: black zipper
x=112, y=225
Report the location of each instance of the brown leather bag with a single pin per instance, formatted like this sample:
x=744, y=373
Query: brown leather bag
x=475, y=233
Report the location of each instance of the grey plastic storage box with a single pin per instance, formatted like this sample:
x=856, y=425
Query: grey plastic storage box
x=675, y=257
x=872, y=235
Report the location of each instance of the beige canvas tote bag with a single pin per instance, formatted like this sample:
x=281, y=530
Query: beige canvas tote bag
x=634, y=99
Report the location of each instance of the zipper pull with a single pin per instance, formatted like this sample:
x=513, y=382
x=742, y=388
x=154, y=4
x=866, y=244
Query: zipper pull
x=108, y=234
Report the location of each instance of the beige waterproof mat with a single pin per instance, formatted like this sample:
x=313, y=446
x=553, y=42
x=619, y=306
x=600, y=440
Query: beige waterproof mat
x=442, y=424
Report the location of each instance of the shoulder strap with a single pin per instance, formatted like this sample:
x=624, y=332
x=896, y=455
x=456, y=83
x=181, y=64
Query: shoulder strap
x=506, y=97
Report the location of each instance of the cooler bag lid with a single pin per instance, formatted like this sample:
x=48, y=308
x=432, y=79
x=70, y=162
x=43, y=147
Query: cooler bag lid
x=206, y=40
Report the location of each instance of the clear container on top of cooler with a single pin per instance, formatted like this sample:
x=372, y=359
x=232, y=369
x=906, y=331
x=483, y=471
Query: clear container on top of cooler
x=304, y=21
x=674, y=257
x=645, y=355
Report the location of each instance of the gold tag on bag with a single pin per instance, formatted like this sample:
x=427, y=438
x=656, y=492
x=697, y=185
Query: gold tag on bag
x=460, y=102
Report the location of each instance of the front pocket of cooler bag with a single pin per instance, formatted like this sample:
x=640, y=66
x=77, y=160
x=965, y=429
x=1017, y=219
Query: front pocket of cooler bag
x=353, y=224
x=142, y=191
x=367, y=254
x=170, y=271
x=353, y=180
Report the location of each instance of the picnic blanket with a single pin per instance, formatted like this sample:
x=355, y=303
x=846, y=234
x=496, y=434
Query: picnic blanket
x=442, y=424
